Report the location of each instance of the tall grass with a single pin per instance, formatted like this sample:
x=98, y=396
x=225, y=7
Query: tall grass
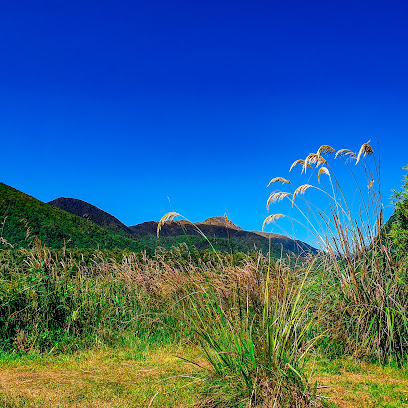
x=368, y=310
x=256, y=347
x=56, y=302
x=60, y=301
x=257, y=321
x=254, y=325
x=248, y=314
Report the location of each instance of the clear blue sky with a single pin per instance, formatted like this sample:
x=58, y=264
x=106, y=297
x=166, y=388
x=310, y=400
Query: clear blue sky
x=143, y=107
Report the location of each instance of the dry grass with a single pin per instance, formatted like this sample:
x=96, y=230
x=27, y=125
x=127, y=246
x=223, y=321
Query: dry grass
x=354, y=384
x=130, y=378
x=114, y=378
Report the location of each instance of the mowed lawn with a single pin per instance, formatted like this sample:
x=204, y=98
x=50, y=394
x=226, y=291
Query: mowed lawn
x=111, y=378
x=159, y=378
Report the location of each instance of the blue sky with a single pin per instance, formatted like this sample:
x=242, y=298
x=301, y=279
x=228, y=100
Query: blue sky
x=142, y=108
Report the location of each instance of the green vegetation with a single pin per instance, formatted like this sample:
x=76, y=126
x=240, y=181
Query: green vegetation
x=254, y=331
x=24, y=217
x=137, y=375
x=399, y=226
x=359, y=274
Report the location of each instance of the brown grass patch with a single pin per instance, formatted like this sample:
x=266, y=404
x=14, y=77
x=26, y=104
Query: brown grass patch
x=116, y=378
x=101, y=379
x=371, y=386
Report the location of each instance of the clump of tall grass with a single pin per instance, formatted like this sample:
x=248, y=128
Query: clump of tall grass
x=257, y=351
x=254, y=324
x=363, y=280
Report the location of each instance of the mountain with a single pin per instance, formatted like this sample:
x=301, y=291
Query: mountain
x=221, y=222
x=222, y=232
x=23, y=217
x=252, y=240
x=78, y=224
x=90, y=212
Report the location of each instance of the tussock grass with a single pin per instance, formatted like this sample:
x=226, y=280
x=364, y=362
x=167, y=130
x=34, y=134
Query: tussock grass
x=365, y=282
x=257, y=351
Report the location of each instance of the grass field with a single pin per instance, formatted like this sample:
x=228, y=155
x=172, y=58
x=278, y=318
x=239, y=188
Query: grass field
x=131, y=377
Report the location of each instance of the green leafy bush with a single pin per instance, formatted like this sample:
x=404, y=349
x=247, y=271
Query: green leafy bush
x=399, y=220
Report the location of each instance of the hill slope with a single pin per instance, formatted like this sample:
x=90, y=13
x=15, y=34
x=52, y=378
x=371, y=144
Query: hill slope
x=85, y=210
x=250, y=240
x=62, y=220
x=24, y=216
x=224, y=234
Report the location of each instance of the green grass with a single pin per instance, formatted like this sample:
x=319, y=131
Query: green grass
x=131, y=377
x=98, y=378
x=354, y=383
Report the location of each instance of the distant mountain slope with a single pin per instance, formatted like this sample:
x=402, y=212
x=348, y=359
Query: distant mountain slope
x=91, y=213
x=23, y=216
x=215, y=228
x=252, y=240
x=221, y=222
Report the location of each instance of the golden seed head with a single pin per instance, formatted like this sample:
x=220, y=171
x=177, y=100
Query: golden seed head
x=276, y=197
x=365, y=150
x=313, y=158
x=325, y=149
x=323, y=170
x=300, y=190
x=278, y=180
x=166, y=218
x=271, y=218
x=300, y=161
x=344, y=152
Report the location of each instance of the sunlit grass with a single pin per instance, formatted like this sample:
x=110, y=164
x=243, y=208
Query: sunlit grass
x=132, y=377
x=101, y=378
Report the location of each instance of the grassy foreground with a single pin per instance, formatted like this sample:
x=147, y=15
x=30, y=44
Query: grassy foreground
x=131, y=377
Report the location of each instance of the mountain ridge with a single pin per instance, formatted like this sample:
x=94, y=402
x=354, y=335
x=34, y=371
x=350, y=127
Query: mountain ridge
x=76, y=223
x=213, y=227
x=89, y=211
x=25, y=216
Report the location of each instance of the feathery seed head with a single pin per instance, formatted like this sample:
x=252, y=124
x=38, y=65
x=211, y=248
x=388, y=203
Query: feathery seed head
x=313, y=158
x=300, y=190
x=325, y=149
x=300, y=161
x=278, y=180
x=276, y=197
x=166, y=217
x=322, y=170
x=345, y=152
x=365, y=150
x=271, y=218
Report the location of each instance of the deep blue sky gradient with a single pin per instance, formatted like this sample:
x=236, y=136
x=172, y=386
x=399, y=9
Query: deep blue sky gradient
x=142, y=108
